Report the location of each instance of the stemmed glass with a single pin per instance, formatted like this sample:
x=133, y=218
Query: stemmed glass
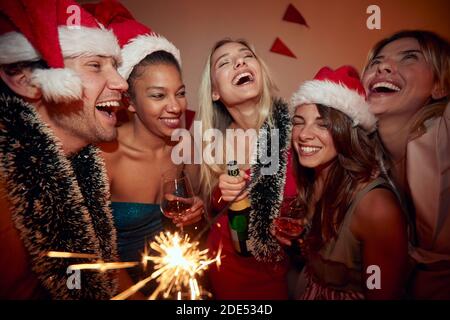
x=177, y=196
x=292, y=219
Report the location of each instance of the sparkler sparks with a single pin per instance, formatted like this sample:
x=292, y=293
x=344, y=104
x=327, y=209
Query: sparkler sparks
x=177, y=267
x=178, y=264
x=99, y=265
x=63, y=254
x=103, y=266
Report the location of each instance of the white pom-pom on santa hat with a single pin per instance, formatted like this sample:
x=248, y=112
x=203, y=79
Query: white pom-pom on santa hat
x=34, y=30
x=58, y=85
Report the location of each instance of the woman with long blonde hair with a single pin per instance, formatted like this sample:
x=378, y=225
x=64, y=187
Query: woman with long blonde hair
x=237, y=96
x=407, y=78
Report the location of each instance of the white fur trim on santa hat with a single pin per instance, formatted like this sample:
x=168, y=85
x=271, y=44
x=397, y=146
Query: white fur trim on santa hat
x=338, y=97
x=58, y=85
x=88, y=41
x=141, y=46
x=14, y=47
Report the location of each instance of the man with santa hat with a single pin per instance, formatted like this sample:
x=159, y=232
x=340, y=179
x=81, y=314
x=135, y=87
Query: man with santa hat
x=59, y=93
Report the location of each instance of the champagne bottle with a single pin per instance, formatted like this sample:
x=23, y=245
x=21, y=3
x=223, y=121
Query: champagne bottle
x=238, y=217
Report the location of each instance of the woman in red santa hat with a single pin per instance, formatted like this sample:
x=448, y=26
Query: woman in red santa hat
x=355, y=244
x=142, y=153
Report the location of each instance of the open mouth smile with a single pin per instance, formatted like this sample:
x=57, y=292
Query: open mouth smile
x=243, y=79
x=309, y=150
x=108, y=110
x=384, y=87
x=171, y=122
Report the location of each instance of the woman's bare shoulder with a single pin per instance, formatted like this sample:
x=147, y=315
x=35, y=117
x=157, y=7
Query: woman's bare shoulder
x=378, y=209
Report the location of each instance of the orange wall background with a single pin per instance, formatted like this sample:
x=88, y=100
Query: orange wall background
x=337, y=35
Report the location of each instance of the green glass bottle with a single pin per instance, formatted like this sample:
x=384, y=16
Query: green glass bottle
x=238, y=217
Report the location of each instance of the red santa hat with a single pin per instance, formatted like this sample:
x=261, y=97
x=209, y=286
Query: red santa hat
x=52, y=30
x=340, y=89
x=136, y=40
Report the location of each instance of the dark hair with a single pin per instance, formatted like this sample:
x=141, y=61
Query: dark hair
x=155, y=58
x=357, y=161
x=14, y=68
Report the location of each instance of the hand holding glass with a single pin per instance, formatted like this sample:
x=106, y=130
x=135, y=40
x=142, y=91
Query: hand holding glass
x=176, y=197
x=291, y=222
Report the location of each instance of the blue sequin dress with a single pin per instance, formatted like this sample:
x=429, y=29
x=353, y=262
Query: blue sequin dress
x=136, y=224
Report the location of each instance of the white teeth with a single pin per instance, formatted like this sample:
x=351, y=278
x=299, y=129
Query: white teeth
x=173, y=121
x=239, y=76
x=310, y=149
x=386, y=85
x=108, y=104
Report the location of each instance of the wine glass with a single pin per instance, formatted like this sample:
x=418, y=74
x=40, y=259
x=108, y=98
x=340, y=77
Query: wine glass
x=176, y=197
x=292, y=219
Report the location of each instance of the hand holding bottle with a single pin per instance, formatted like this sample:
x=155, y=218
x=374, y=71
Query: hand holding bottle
x=231, y=186
x=240, y=208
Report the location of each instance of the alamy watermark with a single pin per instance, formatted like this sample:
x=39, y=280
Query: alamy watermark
x=374, y=280
x=374, y=20
x=74, y=20
x=74, y=279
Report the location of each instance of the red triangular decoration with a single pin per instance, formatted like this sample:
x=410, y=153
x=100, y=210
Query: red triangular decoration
x=293, y=15
x=280, y=48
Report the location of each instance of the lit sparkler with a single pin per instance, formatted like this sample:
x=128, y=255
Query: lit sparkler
x=103, y=266
x=177, y=267
x=63, y=254
x=99, y=265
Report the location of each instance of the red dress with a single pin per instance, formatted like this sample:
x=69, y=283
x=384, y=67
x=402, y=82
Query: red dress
x=244, y=278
